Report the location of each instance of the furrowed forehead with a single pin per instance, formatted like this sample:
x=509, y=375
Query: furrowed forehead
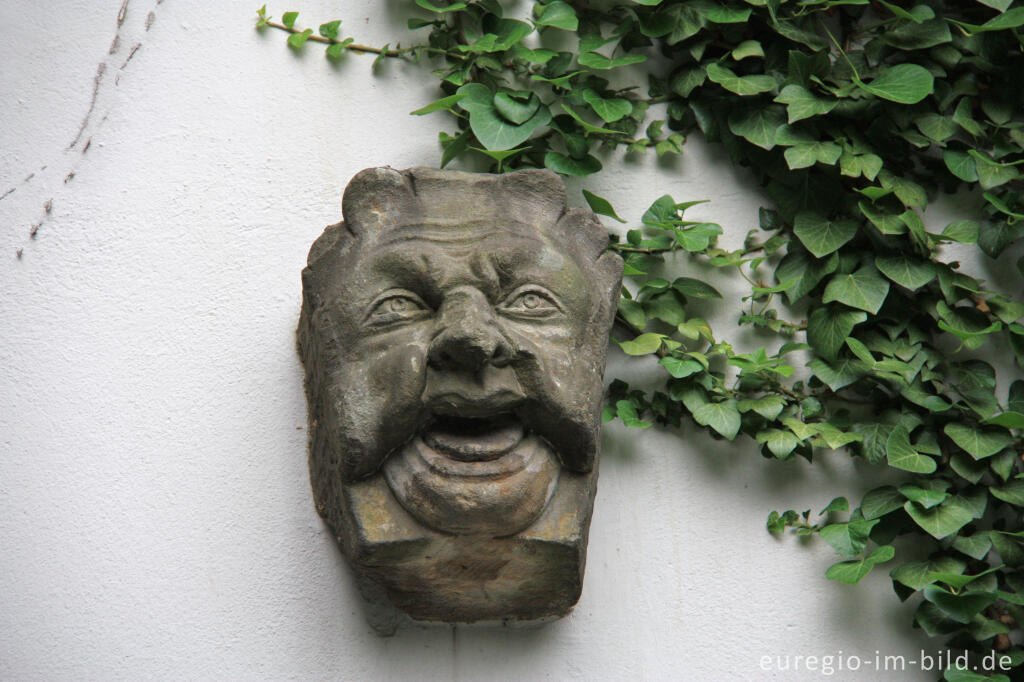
x=462, y=231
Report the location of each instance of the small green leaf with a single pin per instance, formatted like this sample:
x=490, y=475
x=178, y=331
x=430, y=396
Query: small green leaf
x=863, y=289
x=741, y=85
x=851, y=572
x=335, y=50
x=600, y=205
x=723, y=417
x=978, y=441
x=514, y=108
x=1012, y=492
x=903, y=83
x=975, y=546
x=644, y=344
x=769, y=406
x=288, y=18
x=943, y=520
x=493, y=131
x=595, y=60
x=567, y=165
x=779, y=442
x=963, y=231
x=627, y=413
x=557, y=15
x=838, y=374
x=609, y=109
x=820, y=235
x=757, y=125
x=330, y=29
x=1008, y=420
x=912, y=273
x=828, y=327
x=902, y=455
x=927, y=496
x=881, y=501
x=695, y=288
x=960, y=607
x=443, y=104
x=848, y=539
x=748, y=48
x=297, y=40
x=440, y=9
x=801, y=103
x=680, y=368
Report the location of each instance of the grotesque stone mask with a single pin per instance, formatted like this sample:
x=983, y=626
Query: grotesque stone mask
x=453, y=331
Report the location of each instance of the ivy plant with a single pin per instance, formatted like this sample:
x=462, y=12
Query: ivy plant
x=852, y=116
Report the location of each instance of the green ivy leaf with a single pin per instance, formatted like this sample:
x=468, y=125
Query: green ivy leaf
x=828, y=327
x=440, y=9
x=288, y=19
x=848, y=539
x=801, y=103
x=493, y=131
x=779, y=442
x=756, y=125
x=903, y=83
x=695, y=288
x=443, y=104
x=881, y=501
x=838, y=374
x=943, y=520
x=902, y=455
x=978, y=441
x=975, y=546
x=912, y=273
x=567, y=165
x=628, y=414
x=517, y=108
x=645, y=344
x=741, y=85
x=601, y=206
x=297, y=40
x=769, y=406
x=851, y=572
x=609, y=109
x=1012, y=492
x=863, y=289
x=595, y=60
x=723, y=417
x=820, y=235
x=330, y=29
x=680, y=368
x=746, y=49
x=960, y=607
x=557, y=15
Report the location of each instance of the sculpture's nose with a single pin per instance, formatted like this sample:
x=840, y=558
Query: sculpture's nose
x=467, y=336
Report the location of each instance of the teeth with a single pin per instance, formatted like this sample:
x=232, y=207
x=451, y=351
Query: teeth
x=470, y=439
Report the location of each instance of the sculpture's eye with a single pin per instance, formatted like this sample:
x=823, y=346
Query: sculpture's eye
x=395, y=306
x=530, y=301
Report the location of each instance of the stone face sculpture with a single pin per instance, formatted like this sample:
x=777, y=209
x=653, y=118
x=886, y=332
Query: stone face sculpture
x=453, y=332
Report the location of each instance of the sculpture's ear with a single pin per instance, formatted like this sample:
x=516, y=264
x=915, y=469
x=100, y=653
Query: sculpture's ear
x=376, y=199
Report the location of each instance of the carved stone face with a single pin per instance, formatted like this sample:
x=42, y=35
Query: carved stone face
x=453, y=330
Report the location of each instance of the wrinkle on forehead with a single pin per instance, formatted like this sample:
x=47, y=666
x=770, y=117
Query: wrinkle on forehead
x=493, y=261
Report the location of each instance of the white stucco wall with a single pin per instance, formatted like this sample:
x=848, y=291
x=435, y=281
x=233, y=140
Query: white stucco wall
x=156, y=519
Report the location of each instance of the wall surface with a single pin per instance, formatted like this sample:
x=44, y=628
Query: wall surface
x=155, y=510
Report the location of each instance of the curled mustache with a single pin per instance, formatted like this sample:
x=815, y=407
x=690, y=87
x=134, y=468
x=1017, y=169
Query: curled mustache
x=472, y=416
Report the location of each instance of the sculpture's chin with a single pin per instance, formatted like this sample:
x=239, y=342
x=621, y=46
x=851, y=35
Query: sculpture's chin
x=494, y=482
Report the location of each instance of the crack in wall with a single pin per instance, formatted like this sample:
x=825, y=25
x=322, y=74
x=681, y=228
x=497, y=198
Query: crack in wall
x=101, y=99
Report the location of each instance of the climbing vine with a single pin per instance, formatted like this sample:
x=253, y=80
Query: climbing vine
x=852, y=115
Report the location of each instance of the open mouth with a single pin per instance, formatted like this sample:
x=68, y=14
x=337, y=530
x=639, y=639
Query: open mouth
x=473, y=439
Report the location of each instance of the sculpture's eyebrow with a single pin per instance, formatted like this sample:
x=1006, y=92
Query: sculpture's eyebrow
x=411, y=268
